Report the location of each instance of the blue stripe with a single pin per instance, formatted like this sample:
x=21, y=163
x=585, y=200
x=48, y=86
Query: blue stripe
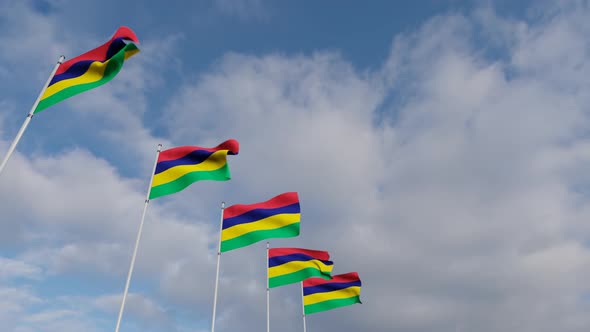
x=193, y=158
x=116, y=46
x=280, y=260
x=81, y=67
x=259, y=214
x=329, y=287
x=75, y=70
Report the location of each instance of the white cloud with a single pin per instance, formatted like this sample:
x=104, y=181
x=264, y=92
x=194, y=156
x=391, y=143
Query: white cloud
x=28, y=30
x=452, y=207
x=13, y=303
x=12, y=268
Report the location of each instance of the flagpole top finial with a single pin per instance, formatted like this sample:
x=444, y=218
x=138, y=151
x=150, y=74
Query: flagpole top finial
x=61, y=59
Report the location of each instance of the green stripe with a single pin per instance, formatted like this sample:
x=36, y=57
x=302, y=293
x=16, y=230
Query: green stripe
x=298, y=276
x=247, y=239
x=331, y=304
x=220, y=174
x=113, y=67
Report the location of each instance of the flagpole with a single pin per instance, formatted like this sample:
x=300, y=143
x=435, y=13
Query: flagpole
x=267, y=291
x=303, y=307
x=147, y=202
x=22, y=129
x=217, y=273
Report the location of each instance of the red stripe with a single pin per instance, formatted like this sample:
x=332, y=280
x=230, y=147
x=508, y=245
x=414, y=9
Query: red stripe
x=344, y=278
x=171, y=154
x=273, y=203
x=99, y=53
x=318, y=254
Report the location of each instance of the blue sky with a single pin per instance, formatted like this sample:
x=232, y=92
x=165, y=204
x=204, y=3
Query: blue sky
x=439, y=148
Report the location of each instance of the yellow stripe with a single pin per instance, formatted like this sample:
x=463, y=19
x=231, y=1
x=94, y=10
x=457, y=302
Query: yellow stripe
x=295, y=266
x=334, y=295
x=215, y=161
x=130, y=53
x=94, y=73
x=272, y=222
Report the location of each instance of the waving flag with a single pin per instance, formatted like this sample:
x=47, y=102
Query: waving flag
x=321, y=295
x=179, y=167
x=245, y=224
x=290, y=265
x=91, y=69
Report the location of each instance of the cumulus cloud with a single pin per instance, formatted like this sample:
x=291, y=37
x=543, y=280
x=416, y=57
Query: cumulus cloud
x=449, y=205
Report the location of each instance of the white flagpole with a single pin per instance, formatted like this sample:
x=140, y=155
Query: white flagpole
x=22, y=129
x=147, y=202
x=303, y=307
x=267, y=291
x=217, y=273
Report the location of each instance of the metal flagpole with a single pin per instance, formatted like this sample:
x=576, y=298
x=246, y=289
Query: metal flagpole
x=22, y=129
x=217, y=273
x=267, y=292
x=303, y=307
x=147, y=202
